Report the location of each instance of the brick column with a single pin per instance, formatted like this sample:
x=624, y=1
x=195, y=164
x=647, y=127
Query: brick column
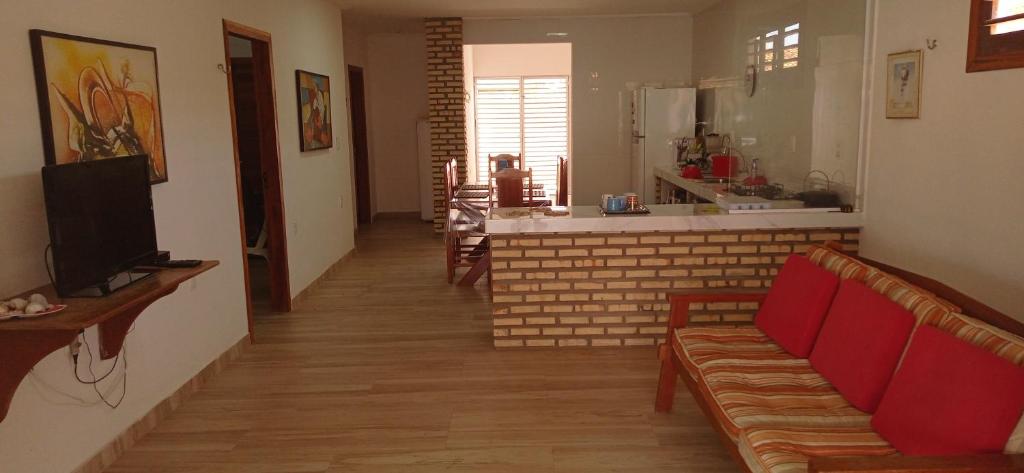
x=447, y=107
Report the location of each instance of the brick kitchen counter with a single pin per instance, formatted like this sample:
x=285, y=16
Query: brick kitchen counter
x=588, y=280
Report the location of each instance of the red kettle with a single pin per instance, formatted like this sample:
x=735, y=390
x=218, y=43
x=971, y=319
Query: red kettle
x=691, y=171
x=724, y=165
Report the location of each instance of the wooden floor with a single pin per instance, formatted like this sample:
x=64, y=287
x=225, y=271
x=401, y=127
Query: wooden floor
x=387, y=368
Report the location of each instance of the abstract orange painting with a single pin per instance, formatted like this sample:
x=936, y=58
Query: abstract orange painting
x=98, y=99
x=315, y=131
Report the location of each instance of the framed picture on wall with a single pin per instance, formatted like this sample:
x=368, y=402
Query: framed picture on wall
x=98, y=99
x=903, y=85
x=314, y=110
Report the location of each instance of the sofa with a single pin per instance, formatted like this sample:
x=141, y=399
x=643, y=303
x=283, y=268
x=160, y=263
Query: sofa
x=852, y=365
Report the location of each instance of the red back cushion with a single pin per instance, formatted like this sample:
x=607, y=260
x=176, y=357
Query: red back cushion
x=860, y=343
x=950, y=398
x=796, y=304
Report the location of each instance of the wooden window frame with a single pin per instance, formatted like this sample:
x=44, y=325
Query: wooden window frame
x=977, y=37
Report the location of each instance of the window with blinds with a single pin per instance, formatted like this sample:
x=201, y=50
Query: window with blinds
x=527, y=115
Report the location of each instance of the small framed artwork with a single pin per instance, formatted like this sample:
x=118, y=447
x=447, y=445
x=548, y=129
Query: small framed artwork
x=314, y=110
x=98, y=99
x=903, y=85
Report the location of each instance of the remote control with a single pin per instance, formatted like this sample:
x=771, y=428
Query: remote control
x=178, y=263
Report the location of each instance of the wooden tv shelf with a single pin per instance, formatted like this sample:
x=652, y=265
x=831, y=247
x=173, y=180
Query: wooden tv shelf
x=24, y=342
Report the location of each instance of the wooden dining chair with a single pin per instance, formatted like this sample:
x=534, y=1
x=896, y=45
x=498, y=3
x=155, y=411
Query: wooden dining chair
x=466, y=244
x=455, y=192
x=452, y=171
x=562, y=192
x=512, y=188
x=496, y=163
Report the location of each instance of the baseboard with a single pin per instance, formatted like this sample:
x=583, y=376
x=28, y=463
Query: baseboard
x=318, y=281
x=113, y=450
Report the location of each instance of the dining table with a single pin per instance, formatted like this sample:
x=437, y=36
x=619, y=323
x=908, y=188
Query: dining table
x=479, y=195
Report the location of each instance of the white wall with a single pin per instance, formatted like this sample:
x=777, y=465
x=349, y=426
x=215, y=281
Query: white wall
x=396, y=79
x=392, y=53
x=354, y=44
x=196, y=211
x=944, y=196
x=608, y=53
x=503, y=60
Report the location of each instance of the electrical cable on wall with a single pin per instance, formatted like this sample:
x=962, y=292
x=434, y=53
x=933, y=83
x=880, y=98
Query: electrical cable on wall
x=74, y=356
x=123, y=355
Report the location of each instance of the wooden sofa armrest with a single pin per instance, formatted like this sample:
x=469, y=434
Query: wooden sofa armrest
x=908, y=464
x=679, y=306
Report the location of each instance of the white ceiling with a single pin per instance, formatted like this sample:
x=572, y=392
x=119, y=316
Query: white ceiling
x=519, y=8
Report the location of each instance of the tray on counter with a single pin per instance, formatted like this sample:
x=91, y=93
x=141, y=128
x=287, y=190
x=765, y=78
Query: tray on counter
x=639, y=210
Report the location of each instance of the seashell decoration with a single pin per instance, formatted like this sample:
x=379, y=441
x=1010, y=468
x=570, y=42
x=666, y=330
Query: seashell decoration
x=17, y=304
x=36, y=304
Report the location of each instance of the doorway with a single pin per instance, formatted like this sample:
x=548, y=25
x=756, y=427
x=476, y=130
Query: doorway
x=360, y=153
x=520, y=103
x=252, y=103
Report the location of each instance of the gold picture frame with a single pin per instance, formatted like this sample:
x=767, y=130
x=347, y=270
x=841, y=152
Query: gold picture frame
x=904, y=71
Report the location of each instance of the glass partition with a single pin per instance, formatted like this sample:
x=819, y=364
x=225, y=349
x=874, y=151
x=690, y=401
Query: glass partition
x=783, y=80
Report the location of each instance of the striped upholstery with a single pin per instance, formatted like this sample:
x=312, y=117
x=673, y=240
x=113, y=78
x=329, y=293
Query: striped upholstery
x=926, y=306
x=1000, y=342
x=842, y=265
x=779, y=410
x=699, y=345
x=787, y=450
x=751, y=381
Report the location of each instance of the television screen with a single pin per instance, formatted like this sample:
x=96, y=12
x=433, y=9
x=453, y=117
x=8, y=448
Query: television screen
x=100, y=215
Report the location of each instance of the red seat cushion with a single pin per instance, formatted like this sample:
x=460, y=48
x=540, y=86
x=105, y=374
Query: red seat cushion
x=950, y=398
x=796, y=305
x=860, y=343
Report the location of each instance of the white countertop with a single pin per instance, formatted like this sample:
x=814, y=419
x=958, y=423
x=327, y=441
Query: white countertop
x=719, y=192
x=663, y=218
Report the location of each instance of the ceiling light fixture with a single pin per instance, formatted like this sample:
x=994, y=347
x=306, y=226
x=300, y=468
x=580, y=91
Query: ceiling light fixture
x=558, y=35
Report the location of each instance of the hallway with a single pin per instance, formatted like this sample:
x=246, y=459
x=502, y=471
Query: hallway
x=387, y=368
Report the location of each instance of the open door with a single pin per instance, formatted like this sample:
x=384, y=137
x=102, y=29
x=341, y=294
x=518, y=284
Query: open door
x=260, y=101
x=360, y=153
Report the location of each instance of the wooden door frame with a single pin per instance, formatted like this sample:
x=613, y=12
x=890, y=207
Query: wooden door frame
x=270, y=159
x=366, y=187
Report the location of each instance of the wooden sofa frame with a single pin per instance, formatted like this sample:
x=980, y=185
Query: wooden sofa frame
x=672, y=368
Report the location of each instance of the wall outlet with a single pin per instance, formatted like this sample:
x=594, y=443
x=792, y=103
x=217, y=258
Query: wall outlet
x=75, y=347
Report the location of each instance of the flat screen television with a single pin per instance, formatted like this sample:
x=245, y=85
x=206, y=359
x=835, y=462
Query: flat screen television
x=100, y=215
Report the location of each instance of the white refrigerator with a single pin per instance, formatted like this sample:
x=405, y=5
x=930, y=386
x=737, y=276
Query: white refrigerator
x=659, y=116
